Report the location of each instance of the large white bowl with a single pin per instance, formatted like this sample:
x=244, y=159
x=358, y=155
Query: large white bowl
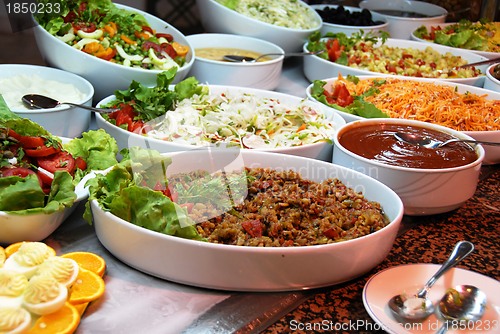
x=126, y=139
x=492, y=153
x=423, y=191
x=350, y=30
x=491, y=83
x=220, y=19
x=263, y=75
x=104, y=75
x=317, y=68
x=489, y=55
x=65, y=121
x=241, y=268
x=401, y=27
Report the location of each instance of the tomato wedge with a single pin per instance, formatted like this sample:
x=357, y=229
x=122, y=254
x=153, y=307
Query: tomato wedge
x=81, y=163
x=47, y=180
x=61, y=161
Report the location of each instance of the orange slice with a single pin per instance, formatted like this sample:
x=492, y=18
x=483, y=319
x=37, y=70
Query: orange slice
x=81, y=308
x=11, y=249
x=89, y=261
x=3, y=256
x=88, y=287
x=64, y=321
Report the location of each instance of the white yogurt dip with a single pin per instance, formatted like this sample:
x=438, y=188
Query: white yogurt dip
x=13, y=88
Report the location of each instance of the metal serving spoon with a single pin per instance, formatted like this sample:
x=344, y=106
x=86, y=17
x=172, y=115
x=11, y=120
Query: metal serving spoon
x=34, y=101
x=397, y=303
x=430, y=143
x=253, y=60
x=463, y=303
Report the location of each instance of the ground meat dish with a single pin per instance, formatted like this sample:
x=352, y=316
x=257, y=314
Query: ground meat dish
x=283, y=209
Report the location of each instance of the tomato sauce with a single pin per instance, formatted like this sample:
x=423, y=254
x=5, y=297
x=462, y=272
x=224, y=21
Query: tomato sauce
x=378, y=143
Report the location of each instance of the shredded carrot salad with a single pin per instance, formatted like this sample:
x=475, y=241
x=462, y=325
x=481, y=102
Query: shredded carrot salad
x=433, y=103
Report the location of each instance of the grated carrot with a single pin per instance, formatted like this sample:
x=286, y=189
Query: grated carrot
x=433, y=103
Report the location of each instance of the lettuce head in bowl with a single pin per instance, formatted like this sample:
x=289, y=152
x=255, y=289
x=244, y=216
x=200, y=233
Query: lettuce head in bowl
x=42, y=177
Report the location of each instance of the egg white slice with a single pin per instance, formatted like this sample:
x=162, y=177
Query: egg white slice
x=24, y=326
x=50, y=306
x=12, y=264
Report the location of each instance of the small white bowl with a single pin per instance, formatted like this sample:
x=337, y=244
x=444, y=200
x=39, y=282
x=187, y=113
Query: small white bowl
x=492, y=153
x=486, y=54
x=423, y=191
x=263, y=75
x=104, y=75
x=317, y=68
x=401, y=27
x=491, y=82
x=350, y=30
x=65, y=121
x=321, y=151
x=217, y=18
x=242, y=268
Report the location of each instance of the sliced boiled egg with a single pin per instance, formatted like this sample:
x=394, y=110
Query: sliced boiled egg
x=63, y=270
x=44, y=295
x=14, y=320
x=27, y=258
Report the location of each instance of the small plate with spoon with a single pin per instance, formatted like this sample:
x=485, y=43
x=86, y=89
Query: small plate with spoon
x=409, y=278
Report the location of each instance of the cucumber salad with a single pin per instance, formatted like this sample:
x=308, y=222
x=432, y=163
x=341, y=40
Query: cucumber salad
x=244, y=120
x=99, y=28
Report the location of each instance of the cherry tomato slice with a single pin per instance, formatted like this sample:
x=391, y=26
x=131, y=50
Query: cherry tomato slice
x=81, y=163
x=32, y=142
x=85, y=26
x=21, y=172
x=41, y=151
x=168, y=37
x=61, y=161
x=47, y=180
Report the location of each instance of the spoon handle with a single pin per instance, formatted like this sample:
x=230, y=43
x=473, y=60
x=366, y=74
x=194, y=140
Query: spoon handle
x=461, y=251
x=99, y=110
x=443, y=328
x=480, y=142
x=291, y=54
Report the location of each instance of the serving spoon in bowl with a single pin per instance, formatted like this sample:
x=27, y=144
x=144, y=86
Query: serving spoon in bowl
x=430, y=143
x=35, y=101
x=246, y=59
x=419, y=307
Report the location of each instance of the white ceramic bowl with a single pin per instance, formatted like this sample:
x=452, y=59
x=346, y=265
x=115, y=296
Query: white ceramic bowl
x=241, y=268
x=104, y=75
x=491, y=83
x=349, y=30
x=316, y=68
x=66, y=121
x=38, y=226
x=489, y=55
x=423, y=191
x=263, y=75
x=321, y=150
x=401, y=27
x=217, y=18
x=492, y=153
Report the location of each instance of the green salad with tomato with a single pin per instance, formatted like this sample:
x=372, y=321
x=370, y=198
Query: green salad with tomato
x=37, y=172
x=99, y=28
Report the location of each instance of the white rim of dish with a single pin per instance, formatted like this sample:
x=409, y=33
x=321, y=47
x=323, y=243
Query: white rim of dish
x=319, y=19
x=186, y=66
x=411, y=6
x=478, y=149
x=239, y=37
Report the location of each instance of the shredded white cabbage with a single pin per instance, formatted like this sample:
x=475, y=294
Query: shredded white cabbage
x=284, y=13
x=243, y=120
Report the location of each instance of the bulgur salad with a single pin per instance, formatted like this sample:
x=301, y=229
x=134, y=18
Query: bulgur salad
x=278, y=208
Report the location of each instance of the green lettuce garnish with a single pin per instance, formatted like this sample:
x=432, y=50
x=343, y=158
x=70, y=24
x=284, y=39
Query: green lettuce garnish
x=122, y=192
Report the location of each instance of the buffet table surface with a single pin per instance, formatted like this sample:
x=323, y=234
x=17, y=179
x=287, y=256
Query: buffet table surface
x=135, y=302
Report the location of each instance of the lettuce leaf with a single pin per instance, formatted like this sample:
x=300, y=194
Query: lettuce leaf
x=120, y=192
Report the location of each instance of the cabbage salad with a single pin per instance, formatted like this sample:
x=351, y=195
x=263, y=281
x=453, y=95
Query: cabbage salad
x=243, y=120
x=284, y=13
